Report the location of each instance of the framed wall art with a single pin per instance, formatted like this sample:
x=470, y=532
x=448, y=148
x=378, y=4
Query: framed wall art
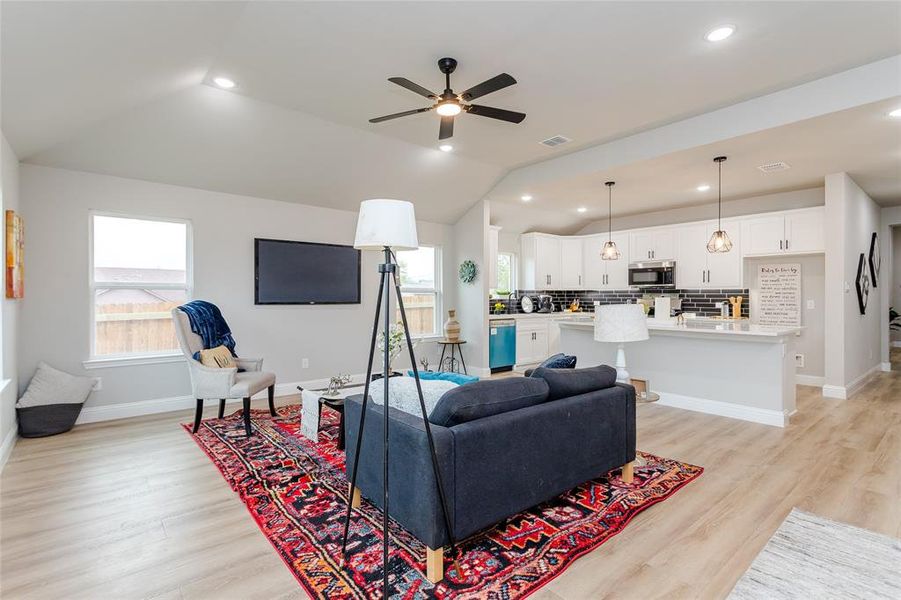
x=862, y=283
x=15, y=255
x=875, y=260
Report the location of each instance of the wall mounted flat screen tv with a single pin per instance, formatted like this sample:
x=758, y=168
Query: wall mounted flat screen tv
x=289, y=272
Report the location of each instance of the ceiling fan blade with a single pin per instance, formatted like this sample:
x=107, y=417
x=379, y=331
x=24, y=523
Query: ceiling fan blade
x=495, y=113
x=400, y=114
x=447, y=128
x=413, y=87
x=498, y=82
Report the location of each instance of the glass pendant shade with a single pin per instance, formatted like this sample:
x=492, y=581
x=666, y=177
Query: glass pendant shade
x=719, y=242
x=610, y=251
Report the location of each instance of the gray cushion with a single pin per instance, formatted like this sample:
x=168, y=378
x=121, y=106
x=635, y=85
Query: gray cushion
x=486, y=398
x=52, y=386
x=563, y=383
x=250, y=382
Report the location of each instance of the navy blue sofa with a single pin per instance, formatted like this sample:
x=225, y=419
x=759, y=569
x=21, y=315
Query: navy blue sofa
x=503, y=446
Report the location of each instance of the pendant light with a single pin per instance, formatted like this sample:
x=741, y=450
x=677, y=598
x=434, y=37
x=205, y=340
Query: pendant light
x=610, y=251
x=719, y=241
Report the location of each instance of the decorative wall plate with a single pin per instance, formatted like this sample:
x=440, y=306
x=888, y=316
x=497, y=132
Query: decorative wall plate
x=862, y=283
x=875, y=260
x=527, y=304
x=468, y=271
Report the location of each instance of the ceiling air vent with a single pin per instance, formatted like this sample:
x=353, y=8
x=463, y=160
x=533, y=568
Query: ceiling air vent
x=557, y=140
x=772, y=167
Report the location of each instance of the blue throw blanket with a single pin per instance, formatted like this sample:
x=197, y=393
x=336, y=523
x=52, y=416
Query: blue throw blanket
x=207, y=322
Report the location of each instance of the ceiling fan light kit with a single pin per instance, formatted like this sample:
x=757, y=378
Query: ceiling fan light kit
x=449, y=104
x=719, y=241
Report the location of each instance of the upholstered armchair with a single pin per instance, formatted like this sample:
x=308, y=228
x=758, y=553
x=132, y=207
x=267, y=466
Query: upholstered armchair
x=223, y=384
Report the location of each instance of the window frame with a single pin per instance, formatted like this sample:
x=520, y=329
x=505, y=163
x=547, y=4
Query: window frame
x=134, y=358
x=437, y=291
x=513, y=269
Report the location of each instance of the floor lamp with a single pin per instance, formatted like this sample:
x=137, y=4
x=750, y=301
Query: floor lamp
x=388, y=225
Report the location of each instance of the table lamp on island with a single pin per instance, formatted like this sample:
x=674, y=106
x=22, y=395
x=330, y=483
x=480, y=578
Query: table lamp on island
x=620, y=323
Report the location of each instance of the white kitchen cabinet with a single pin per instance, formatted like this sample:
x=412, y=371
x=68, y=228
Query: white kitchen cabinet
x=804, y=231
x=724, y=268
x=652, y=244
x=531, y=341
x=698, y=268
x=605, y=274
x=794, y=232
x=540, y=261
x=571, y=276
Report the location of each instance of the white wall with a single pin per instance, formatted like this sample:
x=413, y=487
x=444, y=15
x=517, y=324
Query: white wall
x=811, y=342
x=9, y=200
x=852, y=340
x=471, y=243
x=731, y=208
x=891, y=223
x=54, y=321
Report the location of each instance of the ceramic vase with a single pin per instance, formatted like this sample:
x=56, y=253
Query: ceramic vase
x=452, y=326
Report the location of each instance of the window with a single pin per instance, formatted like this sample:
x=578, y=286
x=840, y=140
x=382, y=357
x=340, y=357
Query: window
x=140, y=270
x=420, y=277
x=505, y=270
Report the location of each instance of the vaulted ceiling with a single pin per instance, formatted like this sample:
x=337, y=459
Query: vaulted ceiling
x=123, y=88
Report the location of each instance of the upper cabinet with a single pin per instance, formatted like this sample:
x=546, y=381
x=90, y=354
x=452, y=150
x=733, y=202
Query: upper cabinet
x=795, y=232
x=605, y=274
x=698, y=268
x=541, y=262
x=652, y=244
x=571, y=276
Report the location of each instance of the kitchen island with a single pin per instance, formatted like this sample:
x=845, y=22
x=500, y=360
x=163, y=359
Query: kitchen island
x=728, y=368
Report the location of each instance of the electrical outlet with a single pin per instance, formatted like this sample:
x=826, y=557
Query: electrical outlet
x=305, y=363
x=799, y=361
x=98, y=384
x=811, y=305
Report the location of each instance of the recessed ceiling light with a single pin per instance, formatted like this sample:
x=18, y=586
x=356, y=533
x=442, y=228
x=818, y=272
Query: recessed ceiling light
x=525, y=197
x=720, y=33
x=703, y=187
x=445, y=147
x=224, y=82
x=581, y=209
x=895, y=113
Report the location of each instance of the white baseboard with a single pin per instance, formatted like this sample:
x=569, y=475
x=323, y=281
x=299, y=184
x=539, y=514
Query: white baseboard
x=846, y=391
x=896, y=344
x=886, y=367
x=96, y=414
x=814, y=380
x=835, y=391
x=725, y=409
x=9, y=442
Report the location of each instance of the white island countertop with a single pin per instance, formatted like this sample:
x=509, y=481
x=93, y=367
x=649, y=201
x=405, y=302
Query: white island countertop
x=700, y=327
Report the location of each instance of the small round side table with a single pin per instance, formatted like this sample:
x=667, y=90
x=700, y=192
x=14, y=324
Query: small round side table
x=648, y=397
x=455, y=347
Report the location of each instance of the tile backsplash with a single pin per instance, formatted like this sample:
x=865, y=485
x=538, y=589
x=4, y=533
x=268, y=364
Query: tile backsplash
x=703, y=302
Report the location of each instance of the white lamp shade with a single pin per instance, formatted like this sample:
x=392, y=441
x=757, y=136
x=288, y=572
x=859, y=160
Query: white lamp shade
x=385, y=222
x=620, y=323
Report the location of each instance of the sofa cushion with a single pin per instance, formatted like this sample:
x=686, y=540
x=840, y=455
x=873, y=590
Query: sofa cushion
x=559, y=361
x=486, y=398
x=404, y=395
x=563, y=383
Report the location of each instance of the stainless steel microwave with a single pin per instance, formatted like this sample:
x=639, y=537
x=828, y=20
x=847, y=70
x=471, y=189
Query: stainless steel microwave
x=653, y=273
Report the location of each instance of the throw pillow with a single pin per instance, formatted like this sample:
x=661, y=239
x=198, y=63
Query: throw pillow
x=559, y=361
x=404, y=396
x=487, y=398
x=563, y=383
x=52, y=386
x=458, y=378
x=220, y=357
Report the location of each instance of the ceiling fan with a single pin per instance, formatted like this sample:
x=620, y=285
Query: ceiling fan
x=450, y=104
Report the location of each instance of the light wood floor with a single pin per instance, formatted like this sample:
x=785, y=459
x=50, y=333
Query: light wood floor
x=133, y=509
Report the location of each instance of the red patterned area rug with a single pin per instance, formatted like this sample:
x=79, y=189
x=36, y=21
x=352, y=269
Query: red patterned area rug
x=296, y=491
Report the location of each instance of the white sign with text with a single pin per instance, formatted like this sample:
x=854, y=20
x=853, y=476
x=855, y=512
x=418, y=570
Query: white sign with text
x=780, y=294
